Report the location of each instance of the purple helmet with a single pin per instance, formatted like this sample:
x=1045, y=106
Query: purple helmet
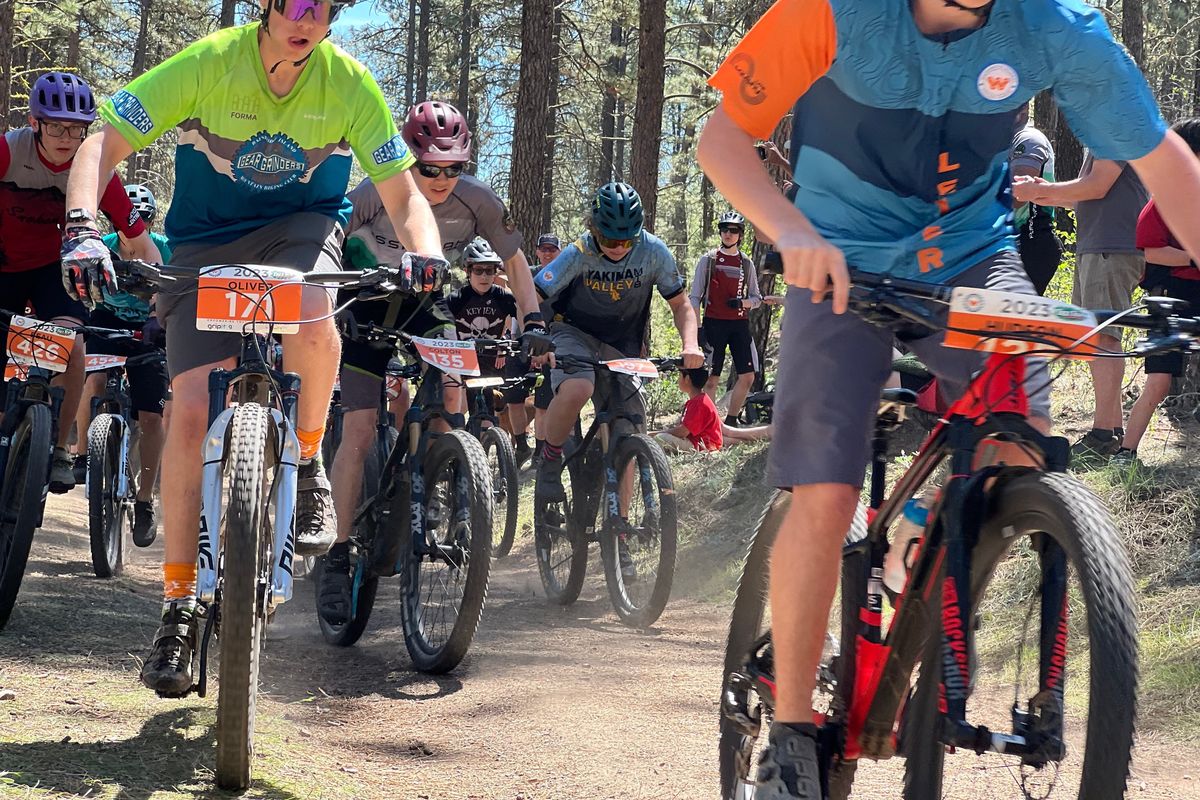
x=62, y=96
x=437, y=132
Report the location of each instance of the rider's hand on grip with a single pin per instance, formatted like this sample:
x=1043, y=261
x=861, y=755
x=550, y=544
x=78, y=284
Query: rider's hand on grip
x=87, y=269
x=810, y=262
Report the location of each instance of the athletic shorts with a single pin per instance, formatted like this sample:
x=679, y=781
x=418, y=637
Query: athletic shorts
x=42, y=289
x=149, y=383
x=304, y=241
x=1105, y=281
x=1041, y=253
x=1159, y=281
x=832, y=368
x=516, y=367
x=571, y=342
x=364, y=365
x=544, y=393
x=734, y=334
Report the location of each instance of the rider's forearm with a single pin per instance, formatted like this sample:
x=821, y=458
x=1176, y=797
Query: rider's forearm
x=410, y=214
x=1172, y=174
x=726, y=153
x=93, y=166
x=520, y=283
x=1167, y=256
x=685, y=323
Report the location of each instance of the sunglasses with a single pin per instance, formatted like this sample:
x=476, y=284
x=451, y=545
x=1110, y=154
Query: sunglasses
x=430, y=171
x=613, y=244
x=728, y=229
x=483, y=270
x=323, y=12
x=58, y=130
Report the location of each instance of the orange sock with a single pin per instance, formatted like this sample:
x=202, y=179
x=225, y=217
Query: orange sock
x=179, y=581
x=310, y=442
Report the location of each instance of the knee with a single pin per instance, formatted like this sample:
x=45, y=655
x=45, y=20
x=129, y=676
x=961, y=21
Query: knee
x=573, y=394
x=189, y=404
x=745, y=380
x=357, y=428
x=823, y=509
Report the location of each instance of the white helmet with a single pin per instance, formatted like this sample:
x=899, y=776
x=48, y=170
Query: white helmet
x=143, y=201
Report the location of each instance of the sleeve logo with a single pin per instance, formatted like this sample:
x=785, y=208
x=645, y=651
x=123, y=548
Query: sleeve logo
x=752, y=91
x=998, y=82
x=393, y=150
x=130, y=109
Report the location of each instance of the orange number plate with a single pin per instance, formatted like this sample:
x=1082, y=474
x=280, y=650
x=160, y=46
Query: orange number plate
x=99, y=363
x=15, y=370
x=40, y=344
x=638, y=367
x=448, y=355
x=231, y=298
x=980, y=318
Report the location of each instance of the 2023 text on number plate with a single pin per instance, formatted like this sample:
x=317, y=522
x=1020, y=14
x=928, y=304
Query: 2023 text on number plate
x=230, y=298
x=979, y=319
x=39, y=344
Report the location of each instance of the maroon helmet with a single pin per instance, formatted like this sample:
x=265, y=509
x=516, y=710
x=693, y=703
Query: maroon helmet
x=437, y=132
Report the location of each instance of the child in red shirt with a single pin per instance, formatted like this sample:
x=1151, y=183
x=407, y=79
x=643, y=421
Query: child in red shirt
x=701, y=427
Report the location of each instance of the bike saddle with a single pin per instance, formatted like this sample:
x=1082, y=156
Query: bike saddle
x=900, y=396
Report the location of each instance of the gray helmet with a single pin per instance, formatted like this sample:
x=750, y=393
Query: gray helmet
x=479, y=251
x=142, y=200
x=732, y=218
x=617, y=211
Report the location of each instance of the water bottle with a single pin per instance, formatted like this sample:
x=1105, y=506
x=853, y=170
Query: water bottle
x=910, y=528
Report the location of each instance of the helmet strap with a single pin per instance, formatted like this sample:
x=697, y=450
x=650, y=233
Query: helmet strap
x=263, y=20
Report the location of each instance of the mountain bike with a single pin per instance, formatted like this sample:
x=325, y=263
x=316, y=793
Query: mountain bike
x=110, y=485
x=426, y=515
x=36, y=352
x=988, y=519
x=248, y=489
x=620, y=492
x=484, y=424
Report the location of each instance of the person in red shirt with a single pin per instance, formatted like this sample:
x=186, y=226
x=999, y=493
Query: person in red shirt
x=701, y=428
x=1170, y=272
x=34, y=164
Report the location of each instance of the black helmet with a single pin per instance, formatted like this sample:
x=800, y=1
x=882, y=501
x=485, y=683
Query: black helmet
x=617, y=211
x=732, y=218
x=480, y=252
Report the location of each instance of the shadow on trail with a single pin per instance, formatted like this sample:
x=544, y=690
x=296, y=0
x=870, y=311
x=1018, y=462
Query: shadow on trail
x=162, y=756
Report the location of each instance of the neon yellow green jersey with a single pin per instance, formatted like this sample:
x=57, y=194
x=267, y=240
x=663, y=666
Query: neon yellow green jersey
x=247, y=157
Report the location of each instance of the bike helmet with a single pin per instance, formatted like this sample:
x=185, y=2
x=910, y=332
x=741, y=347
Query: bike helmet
x=480, y=252
x=437, y=132
x=731, y=218
x=617, y=211
x=143, y=201
x=61, y=96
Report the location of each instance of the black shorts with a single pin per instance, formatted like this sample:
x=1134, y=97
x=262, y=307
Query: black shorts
x=734, y=334
x=544, y=393
x=1159, y=281
x=149, y=383
x=1041, y=253
x=419, y=316
x=42, y=289
x=516, y=368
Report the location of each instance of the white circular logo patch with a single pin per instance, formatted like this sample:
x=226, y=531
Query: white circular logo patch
x=998, y=82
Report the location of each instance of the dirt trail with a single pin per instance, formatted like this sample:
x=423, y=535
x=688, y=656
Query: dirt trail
x=551, y=703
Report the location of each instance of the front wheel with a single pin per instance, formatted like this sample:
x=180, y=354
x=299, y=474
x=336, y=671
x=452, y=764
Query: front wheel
x=245, y=578
x=108, y=514
x=1045, y=530
x=502, y=463
x=446, y=575
x=21, y=501
x=560, y=530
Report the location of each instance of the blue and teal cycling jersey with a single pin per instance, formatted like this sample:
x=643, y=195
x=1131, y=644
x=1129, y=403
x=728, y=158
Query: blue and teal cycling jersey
x=903, y=138
x=129, y=307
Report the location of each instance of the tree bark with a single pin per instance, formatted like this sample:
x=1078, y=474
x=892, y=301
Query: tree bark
x=464, y=59
x=646, y=148
x=423, y=52
x=6, y=60
x=1133, y=30
x=552, y=132
x=228, y=13
x=410, y=76
x=608, y=107
x=533, y=117
x=761, y=317
x=140, y=49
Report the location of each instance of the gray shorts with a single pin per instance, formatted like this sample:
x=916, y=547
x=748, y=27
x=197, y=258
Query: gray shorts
x=304, y=241
x=833, y=367
x=1105, y=281
x=571, y=342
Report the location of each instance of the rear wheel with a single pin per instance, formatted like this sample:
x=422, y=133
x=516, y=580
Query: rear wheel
x=502, y=463
x=1037, y=519
x=638, y=547
x=243, y=598
x=562, y=530
x=21, y=501
x=108, y=514
x=445, y=586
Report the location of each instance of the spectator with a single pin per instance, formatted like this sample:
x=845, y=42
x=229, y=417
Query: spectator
x=1108, y=196
x=1169, y=272
x=725, y=286
x=701, y=428
x=1041, y=251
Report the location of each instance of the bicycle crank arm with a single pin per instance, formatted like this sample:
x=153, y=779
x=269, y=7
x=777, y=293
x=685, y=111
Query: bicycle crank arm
x=979, y=740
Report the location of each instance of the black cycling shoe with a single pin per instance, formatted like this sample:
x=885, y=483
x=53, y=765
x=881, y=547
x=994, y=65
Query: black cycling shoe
x=788, y=768
x=80, y=468
x=334, y=593
x=549, y=481
x=145, y=527
x=628, y=569
x=316, y=523
x=62, y=471
x=168, y=670
x=522, y=451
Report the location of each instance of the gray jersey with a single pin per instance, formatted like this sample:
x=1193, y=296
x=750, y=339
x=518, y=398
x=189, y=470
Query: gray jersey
x=1109, y=225
x=471, y=210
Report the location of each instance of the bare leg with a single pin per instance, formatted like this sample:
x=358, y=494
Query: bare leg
x=1158, y=385
x=314, y=353
x=72, y=383
x=150, y=448
x=1107, y=375
x=358, y=427
x=741, y=388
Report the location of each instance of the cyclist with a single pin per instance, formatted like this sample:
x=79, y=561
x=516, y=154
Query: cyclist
x=945, y=76
x=35, y=163
x=726, y=287
x=482, y=309
x=149, y=384
x=601, y=288
x=268, y=115
x=1038, y=243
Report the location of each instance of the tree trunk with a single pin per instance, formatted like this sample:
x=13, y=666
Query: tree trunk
x=464, y=59
x=761, y=317
x=423, y=52
x=608, y=107
x=1133, y=30
x=532, y=118
x=619, y=141
x=228, y=13
x=646, y=148
x=552, y=131
x=410, y=76
x=140, y=48
x=6, y=60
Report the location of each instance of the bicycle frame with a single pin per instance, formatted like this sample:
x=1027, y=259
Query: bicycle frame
x=994, y=407
x=251, y=381
x=115, y=401
x=19, y=395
